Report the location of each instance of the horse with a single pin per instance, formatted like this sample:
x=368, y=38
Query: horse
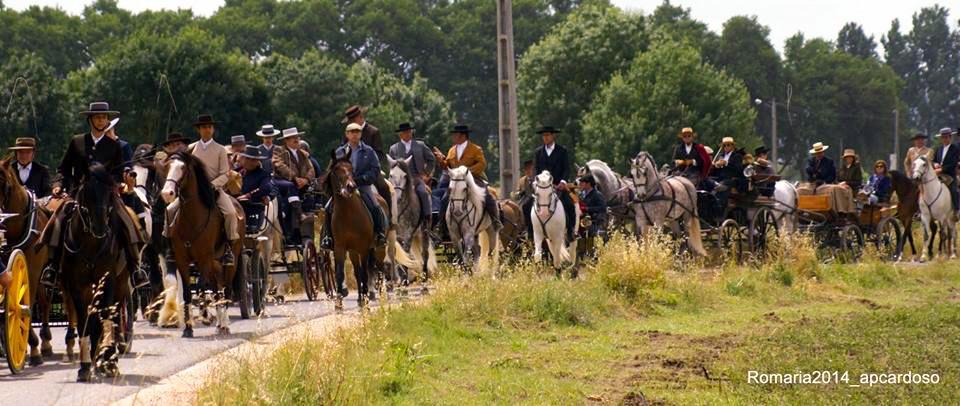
x=147, y=189
x=550, y=223
x=352, y=231
x=95, y=273
x=195, y=230
x=611, y=186
x=908, y=202
x=467, y=221
x=658, y=200
x=935, y=205
x=785, y=200
x=412, y=234
x=513, y=232
x=22, y=231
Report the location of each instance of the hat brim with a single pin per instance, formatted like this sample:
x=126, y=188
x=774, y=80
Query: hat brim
x=109, y=113
x=197, y=124
x=259, y=158
x=462, y=132
x=168, y=142
x=299, y=134
x=262, y=135
x=21, y=148
x=919, y=137
x=402, y=130
x=549, y=131
x=825, y=147
x=346, y=118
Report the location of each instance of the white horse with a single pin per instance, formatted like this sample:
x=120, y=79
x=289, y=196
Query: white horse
x=935, y=205
x=659, y=200
x=612, y=187
x=550, y=223
x=412, y=236
x=468, y=223
x=786, y=198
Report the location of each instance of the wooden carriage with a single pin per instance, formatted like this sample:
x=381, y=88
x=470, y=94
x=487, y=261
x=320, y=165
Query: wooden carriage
x=848, y=233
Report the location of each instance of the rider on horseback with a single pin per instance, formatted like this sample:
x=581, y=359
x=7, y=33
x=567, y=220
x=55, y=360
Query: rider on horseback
x=421, y=168
x=465, y=153
x=294, y=174
x=553, y=158
x=83, y=151
x=366, y=170
x=217, y=165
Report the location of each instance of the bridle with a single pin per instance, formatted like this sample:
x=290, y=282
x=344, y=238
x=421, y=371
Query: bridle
x=924, y=180
x=657, y=193
x=551, y=205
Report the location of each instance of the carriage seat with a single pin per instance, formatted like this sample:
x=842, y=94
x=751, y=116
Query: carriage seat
x=257, y=214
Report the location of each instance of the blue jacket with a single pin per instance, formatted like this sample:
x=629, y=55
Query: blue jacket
x=821, y=172
x=267, y=164
x=126, y=154
x=260, y=183
x=366, y=164
x=881, y=187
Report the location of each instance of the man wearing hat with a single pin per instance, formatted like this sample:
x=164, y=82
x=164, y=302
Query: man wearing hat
x=294, y=171
x=422, y=164
x=217, y=165
x=238, y=144
x=267, y=134
x=465, y=153
x=370, y=135
x=762, y=164
x=257, y=185
x=553, y=158
x=918, y=149
x=851, y=172
x=594, y=203
x=690, y=159
x=31, y=175
x=175, y=142
x=83, y=151
x=945, y=160
x=366, y=169
x=820, y=168
x=727, y=171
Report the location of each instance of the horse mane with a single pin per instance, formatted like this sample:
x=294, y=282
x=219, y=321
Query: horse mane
x=476, y=192
x=8, y=175
x=900, y=180
x=402, y=164
x=205, y=191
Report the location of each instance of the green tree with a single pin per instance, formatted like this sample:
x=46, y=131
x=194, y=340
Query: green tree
x=33, y=105
x=559, y=77
x=48, y=32
x=675, y=23
x=854, y=41
x=205, y=78
x=665, y=89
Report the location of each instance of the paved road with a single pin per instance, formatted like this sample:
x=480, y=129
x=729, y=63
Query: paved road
x=157, y=353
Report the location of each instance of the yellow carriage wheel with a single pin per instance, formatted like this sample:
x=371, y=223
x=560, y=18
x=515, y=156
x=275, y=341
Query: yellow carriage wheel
x=15, y=322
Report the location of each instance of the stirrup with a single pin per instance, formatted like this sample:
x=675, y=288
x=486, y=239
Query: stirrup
x=140, y=278
x=49, y=277
x=326, y=243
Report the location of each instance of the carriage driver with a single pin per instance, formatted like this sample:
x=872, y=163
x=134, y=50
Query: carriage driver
x=217, y=165
x=294, y=174
x=366, y=170
x=83, y=151
x=257, y=183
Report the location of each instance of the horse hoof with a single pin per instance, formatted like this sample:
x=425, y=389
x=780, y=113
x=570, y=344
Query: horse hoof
x=46, y=352
x=69, y=358
x=223, y=330
x=85, y=374
x=187, y=333
x=36, y=360
x=108, y=371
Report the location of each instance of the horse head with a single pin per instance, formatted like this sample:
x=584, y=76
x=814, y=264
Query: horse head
x=544, y=195
x=341, y=176
x=920, y=167
x=185, y=175
x=94, y=198
x=642, y=172
x=461, y=190
x=400, y=172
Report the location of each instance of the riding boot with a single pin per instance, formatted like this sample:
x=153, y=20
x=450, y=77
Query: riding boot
x=228, y=258
x=570, y=213
x=326, y=241
x=51, y=271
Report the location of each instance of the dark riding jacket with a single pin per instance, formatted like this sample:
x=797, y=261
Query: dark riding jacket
x=822, y=171
x=596, y=205
x=260, y=183
x=557, y=162
x=83, y=152
x=38, y=181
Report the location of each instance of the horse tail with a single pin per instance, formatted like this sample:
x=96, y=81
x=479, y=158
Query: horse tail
x=170, y=312
x=403, y=258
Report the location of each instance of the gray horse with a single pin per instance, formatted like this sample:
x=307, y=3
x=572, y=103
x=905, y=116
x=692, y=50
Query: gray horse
x=611, y=187
x=412, y=234
x=658, y=200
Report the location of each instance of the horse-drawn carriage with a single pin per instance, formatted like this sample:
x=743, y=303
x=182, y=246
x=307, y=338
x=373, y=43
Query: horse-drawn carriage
x=15, y=308
x=848, y=232
x=747, y=224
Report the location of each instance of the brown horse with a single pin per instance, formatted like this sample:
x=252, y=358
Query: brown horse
x=23, y=232
x=514, y=231
x=908, y=203
x=95, y=271
x=352, y=231
x=196, y=235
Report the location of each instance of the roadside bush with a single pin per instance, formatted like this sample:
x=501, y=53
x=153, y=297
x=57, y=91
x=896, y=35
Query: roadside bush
x=630, y=267
x=795, y=253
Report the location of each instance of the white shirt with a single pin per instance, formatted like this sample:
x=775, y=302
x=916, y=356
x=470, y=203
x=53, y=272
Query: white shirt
x=407, y=145
x=97, y=140
x=24, y=171
x=296, y=157
x=726, y=156
x=549, y=148
x=205, y=144
x=945, y=149
x=689, y=148
x=460, y=148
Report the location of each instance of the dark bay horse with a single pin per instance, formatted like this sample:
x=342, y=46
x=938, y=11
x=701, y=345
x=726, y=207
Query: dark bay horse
x=23, y=232
x=95, y=272
x=908, y=200
x=196, y=235
x=352, y=231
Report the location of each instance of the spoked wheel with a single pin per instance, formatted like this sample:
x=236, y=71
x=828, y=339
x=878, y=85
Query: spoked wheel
x=327, y=274
x=258, y=275
x=851, y=242
x=244, y=286
x=731, y=240
x=762, y=232
x=310, y=272
x=15, y=320
x=128, y=314
x=887, y=238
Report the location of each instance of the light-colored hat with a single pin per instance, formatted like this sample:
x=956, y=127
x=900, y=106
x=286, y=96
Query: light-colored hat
x=819, y=147
x=945, y=131
x=113, y=123
x=354, y=127
x=708, y=149
x=267, y=131
x=291, y=132
x=687, y=130
x=238, y=139
x=24, y=143
x=727, y=140
x=849, y=152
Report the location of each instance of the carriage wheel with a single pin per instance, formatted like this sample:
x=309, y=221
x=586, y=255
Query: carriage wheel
x=731, y=240
x=244, y=286
x=128, y=314
x=310, y=272
x=763, y=230
x=15, y=322
x=258, y=279
x=327, y=274
x=887, y=238
x=851, y=242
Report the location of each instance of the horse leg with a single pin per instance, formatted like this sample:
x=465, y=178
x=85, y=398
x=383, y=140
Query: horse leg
x=360, y=275
x=223, y=320
x=70, y=339
x=537, y=243
x=187, y=301
x=35, y=358
x=108, y=323
x=339, y=256
x=85, y=373
x=375, y=275
x=46, y=348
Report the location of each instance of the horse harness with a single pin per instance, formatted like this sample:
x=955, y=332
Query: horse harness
x=551, y=205
x=658, y=195
x=467, y=214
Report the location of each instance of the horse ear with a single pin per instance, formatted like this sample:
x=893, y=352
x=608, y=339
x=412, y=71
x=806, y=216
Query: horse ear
x=391, y=161
x=409, y=160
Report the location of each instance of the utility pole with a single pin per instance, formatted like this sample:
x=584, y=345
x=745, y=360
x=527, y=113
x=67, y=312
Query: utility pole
x=896, y=140
x=507, y=77
x=773, y=132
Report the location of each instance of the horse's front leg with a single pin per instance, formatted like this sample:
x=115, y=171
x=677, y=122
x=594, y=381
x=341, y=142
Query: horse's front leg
x=184, y=270
x=339, y=257
x=223, y=319
x=537, y=243
x=108, y=349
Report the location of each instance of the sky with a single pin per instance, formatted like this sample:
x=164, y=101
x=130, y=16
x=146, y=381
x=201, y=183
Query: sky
x=815, y=18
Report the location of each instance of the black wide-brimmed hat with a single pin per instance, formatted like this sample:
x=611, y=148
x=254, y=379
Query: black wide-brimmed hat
x=461, y=128
x=352, y=112
x=547, y=129
x=253, y=152
x=175, y=137
x=918, y=136
x=100, y=108
x=403, y=127
x=204, y=119
x=760, y=150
